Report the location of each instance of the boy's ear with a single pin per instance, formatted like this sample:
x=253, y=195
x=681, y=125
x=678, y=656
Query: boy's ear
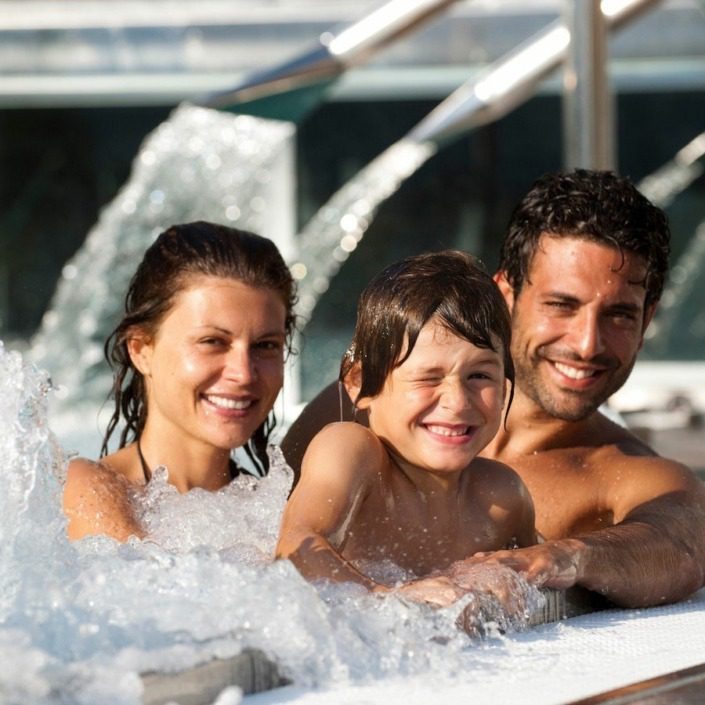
x=505, y=287
x=140, y=349
x=353, y=385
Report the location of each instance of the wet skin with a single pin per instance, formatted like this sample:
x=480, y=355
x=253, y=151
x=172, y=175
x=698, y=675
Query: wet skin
x=620, y=519
x=215, y=365
x=409, y=489
x=212, y=370
x=576, y=336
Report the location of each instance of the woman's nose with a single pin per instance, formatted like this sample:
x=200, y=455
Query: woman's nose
x=240, y=366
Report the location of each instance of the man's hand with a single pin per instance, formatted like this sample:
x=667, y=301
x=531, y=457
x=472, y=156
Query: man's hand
x=553, y=564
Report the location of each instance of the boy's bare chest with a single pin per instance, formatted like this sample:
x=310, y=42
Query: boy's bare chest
x=419, y=537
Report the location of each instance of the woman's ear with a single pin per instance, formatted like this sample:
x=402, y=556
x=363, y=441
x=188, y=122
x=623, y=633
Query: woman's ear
x=140, y=349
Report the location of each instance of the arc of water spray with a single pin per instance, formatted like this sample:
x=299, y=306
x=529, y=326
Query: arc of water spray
x=661, y=187
x=311, y=73
x=337, y=228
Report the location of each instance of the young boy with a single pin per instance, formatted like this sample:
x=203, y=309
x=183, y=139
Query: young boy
x=430, y=366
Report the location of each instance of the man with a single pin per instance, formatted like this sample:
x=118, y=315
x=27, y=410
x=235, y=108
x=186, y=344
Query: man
x=582, y=269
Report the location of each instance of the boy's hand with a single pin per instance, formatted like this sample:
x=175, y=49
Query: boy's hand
x=439, y=591
x=553, y=564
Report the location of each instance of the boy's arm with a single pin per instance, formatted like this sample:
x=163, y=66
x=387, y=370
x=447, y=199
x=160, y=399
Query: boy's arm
x=336, y=476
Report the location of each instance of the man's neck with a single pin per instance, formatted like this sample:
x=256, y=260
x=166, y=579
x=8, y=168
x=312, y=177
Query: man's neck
x=530, y=430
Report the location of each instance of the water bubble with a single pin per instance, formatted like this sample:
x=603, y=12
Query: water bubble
x=213, y=161
x=148, y=157
x=348, y=243
x=69, y=271
x=298, y=270
x=156, y=197
x=232, y=212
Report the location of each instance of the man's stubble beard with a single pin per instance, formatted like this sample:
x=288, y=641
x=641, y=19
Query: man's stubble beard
x=565, y=404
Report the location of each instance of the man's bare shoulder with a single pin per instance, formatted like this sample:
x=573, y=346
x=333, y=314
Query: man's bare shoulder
x=323, y=409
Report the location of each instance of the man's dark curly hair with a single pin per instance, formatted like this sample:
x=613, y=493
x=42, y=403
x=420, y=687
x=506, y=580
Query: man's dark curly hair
x=599, y=206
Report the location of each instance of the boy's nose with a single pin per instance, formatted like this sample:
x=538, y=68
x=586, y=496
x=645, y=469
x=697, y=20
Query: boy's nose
x=455, y=396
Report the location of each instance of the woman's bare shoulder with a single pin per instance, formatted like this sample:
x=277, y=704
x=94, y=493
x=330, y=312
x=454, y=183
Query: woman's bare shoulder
x=97, y=500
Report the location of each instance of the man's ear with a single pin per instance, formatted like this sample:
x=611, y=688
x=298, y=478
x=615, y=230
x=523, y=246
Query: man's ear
x=140, y=349
x=353, y=385
x=500, y=279
x=649, y=312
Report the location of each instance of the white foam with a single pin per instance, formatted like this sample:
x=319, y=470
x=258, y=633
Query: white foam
x=80, y=621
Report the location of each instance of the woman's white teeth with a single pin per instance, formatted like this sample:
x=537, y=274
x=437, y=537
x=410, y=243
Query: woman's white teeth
x=573, y=372
x=224, y=403
x=444, y=431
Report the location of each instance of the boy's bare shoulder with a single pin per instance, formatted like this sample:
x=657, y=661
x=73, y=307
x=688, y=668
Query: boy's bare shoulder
x=495, y=472
x=355, y=441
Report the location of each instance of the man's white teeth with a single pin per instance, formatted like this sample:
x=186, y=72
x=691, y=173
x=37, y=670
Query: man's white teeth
x=225, y=403
x=445, y=431
x=573, y=372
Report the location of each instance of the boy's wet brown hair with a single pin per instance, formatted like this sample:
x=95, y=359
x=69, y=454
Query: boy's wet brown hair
x=452, y=286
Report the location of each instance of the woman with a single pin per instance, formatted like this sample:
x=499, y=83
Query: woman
x=199, y=361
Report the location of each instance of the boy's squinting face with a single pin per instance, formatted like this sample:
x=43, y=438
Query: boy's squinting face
x=439, y=408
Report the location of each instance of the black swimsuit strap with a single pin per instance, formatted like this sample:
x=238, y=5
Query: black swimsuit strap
x=145, y=468
x=232, y=466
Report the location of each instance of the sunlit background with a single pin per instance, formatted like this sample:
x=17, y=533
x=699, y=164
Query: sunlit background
x=82, y=83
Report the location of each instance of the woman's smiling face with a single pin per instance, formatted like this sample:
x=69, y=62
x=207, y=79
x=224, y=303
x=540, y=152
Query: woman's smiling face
x=215, y=365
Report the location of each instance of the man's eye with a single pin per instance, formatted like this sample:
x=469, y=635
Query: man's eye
x=268, y=345
x=624, y=317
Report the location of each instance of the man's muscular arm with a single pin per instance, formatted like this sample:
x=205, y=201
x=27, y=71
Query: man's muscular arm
x=655, y=554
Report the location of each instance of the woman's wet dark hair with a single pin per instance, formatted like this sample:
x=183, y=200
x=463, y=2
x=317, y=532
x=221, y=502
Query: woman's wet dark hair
x=599, y=206
x=450, y=285
x=177, y=254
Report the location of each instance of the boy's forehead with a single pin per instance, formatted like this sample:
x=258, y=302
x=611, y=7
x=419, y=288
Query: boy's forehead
x=437, y=334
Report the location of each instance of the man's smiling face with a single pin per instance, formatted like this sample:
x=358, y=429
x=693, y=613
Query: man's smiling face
x=577, y=324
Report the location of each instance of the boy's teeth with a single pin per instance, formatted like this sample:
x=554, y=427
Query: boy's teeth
x=224, y=403
x=573, y=372
x=443, y=431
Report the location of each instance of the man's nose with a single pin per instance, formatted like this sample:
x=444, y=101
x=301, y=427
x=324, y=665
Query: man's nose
x=586, y=335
